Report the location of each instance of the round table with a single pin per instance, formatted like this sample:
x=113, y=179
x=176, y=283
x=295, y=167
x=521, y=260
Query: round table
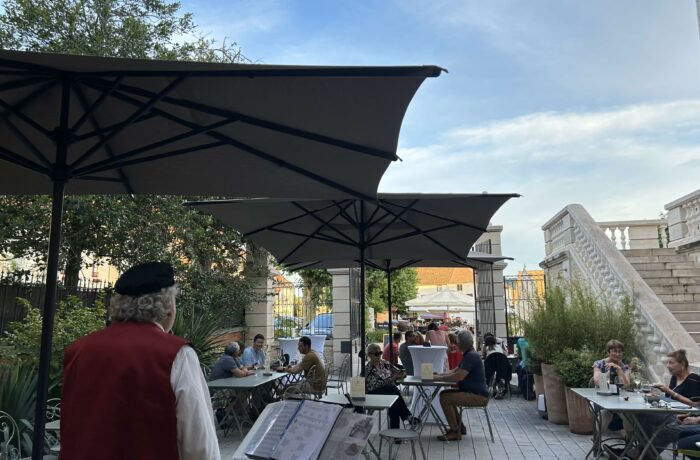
x=437, y=356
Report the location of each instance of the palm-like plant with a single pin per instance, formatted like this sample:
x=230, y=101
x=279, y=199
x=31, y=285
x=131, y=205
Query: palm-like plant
x=201, y=330
x=18, y=399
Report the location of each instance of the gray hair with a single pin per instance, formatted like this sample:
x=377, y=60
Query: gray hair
x=145, y=308
x=465, y=338
x=373, y=348
x=232, y=348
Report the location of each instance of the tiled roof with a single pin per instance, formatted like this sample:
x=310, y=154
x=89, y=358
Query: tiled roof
x=443, y=276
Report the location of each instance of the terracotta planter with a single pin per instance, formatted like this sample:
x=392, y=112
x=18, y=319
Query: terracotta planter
x=555, y=395
x=539, y=384
x=580, y=416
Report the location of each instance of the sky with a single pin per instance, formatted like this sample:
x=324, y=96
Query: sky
x=594, y=102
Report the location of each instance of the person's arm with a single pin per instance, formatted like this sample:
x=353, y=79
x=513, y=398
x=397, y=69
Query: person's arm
x=454, y=375
x=241, y=372
x=674, y=395
x=483, y=351
x=196, y=434
x=299, y=368
x=596, y=376
x=247, y=357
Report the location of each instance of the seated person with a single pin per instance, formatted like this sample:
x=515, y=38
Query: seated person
x=472, y=389
x=618, y=371
x=391, y=351
x=683, y=386
x=229, y=364
x=381, y=379
x=405, y=353
x=689, y=434
x=436, y=336
x=254, y=355
x=311, y=358
x=454, y=356
x=492, y=344
x=418, y=338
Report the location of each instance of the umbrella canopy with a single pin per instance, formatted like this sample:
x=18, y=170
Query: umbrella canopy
x=109, y=125
x=444, y=299
x=396, y=226
x=80, y=124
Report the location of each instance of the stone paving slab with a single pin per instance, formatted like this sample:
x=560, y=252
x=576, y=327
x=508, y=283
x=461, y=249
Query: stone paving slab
x=519, y=432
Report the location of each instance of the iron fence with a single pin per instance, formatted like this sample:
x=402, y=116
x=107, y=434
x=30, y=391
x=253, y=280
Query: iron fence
x=521, y=293
x=302, y=309
x=33, y=289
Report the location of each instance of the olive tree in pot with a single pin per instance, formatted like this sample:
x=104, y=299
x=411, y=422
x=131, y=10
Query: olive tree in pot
x=574, y=370
x=571, y=315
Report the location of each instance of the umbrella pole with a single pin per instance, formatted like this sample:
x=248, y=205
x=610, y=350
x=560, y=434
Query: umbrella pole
x=47, y=320
x=363, y=315
x=388, y=295
x=59, y=182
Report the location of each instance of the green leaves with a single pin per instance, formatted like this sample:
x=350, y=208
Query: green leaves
x=403, y=289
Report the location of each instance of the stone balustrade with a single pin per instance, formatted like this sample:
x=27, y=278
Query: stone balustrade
x=684, y=221
x=577, y=247
x=636, y=234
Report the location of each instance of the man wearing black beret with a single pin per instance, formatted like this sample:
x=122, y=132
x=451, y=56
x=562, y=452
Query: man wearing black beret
x=132, y=390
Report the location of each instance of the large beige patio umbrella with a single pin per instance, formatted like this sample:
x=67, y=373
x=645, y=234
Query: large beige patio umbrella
x=396, y=226
x=90, y=125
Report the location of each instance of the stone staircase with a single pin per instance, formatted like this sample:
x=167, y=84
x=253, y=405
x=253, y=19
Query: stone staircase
x=675, y=279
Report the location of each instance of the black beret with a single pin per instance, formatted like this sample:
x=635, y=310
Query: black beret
x=145, y=279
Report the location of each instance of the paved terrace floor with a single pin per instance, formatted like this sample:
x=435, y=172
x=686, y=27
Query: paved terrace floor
x=520, y=433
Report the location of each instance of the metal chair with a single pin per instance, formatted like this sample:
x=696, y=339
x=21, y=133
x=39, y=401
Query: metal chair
x=486, y=411
x=10, y=446
x=338, y=376
x=401, y=436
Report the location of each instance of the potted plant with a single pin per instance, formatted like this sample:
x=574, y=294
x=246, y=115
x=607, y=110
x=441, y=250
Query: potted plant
x=571, y=315
x=574, y=370
x=534, y=368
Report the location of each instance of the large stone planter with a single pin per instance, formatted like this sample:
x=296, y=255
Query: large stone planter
x=555, y=395
x=580, y=416
x=539, y=384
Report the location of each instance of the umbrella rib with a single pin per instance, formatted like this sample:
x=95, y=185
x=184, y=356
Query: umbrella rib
x=102, y=179
x=121, y=164
x=184, y=103
x=108, y=128
x=20, y=83
x=122, y=156
x=262, y=155
x=447, y=219
x=19, y=160
x=16, y=109
x=140, y=111
x=326, y=223
x=27, y=143
x=89, y=114
x=394, y=219
x=312, y=236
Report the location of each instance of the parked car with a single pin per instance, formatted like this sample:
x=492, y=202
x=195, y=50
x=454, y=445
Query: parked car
x=321, y=324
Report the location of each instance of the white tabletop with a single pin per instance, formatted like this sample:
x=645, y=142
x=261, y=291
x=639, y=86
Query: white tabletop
x=249, y=382
x=615, y=403
x=371, y=402
x=437, y=355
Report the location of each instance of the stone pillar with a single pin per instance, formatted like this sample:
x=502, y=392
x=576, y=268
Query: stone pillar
x=493, y=235
x=341, y=317
x=260, y=315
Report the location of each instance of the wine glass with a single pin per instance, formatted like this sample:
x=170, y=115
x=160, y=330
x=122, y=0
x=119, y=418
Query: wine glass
x=637, y=378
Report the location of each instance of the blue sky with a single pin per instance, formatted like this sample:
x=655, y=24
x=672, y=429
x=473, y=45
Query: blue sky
x=594, y=102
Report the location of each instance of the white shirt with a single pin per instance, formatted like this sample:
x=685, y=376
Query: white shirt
x=196, y=432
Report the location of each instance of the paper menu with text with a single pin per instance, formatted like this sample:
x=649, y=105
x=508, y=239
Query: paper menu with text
x=268, y=435
x=307, y=432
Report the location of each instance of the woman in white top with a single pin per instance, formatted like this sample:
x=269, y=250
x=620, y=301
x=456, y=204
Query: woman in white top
x=491, y=345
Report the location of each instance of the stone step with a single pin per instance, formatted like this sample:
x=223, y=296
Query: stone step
x=652, y=266
x=689, y=298
x=688, y=280
x=673, y=258
x=692, y=272
x=676, y=289
x=649, y=252
x=696, y=336
x=681, y=265
x=691, y=326
x=682, y=306
x=687, y=316
x=648, y=274
x=652, y=282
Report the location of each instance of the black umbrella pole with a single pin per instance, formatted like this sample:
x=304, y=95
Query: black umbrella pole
x=388, y=296
x=42, y=387
x=363, y=320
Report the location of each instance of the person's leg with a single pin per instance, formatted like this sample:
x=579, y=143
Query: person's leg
x=687, y=441
x=398, y=410
x=448, y=401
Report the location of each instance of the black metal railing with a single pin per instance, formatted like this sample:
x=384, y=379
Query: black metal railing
x=33, y=288
x=302, y=309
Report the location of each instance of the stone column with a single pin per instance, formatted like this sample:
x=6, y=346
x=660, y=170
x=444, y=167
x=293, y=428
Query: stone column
x=341, y=317
x=499, y=299
x=259, y=316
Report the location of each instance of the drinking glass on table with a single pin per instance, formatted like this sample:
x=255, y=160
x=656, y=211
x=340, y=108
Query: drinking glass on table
x=637, y=379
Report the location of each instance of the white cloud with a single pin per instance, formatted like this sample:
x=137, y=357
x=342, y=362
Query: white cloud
x=621, y=163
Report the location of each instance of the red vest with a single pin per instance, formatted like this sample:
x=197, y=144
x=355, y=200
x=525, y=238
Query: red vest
x=117, y=401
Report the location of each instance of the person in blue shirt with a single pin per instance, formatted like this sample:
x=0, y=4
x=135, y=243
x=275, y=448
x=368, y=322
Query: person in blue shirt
x=471, y=381
x=254, y=355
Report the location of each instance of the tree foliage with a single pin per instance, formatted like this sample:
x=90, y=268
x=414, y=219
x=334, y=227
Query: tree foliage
x=121, y=229
x=403, y=288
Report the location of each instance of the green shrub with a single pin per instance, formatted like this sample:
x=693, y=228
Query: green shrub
x=570, y=315
x=376, y=336
x=71, y=321
x=575, y=367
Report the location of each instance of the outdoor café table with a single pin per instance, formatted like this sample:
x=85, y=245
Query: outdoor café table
x=427, y=391
x=239, y=388
x=631, y=410
x=370, y=403
x=436, y=355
